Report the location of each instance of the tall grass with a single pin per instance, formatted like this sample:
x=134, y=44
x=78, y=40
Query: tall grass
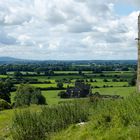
x=39, y=125
x=118, y=119
x=109, y=120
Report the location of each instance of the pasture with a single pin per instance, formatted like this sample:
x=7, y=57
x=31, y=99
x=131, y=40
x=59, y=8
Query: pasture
x=121, y=88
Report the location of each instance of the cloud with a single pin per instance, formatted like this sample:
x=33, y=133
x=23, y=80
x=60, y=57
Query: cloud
x=67, y=29
x=134, y=2
x=6, y=39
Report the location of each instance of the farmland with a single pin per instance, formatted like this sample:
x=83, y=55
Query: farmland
x=110, y=82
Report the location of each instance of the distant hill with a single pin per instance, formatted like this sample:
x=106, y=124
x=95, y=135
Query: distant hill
x=11, y=59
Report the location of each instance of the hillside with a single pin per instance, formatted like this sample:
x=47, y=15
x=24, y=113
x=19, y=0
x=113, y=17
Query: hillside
x=110, y=120
x=9, y=59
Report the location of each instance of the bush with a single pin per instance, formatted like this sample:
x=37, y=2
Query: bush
x=4, y=105
x=63, y=94
x=26, y=95
x=105, y=80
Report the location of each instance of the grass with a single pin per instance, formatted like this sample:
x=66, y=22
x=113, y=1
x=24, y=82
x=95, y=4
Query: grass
x=109, y=120
x=53, y=99
x=115, y=84
x=52, y=96
x=39, y=125
x=6, y=119
x=122, y=91
x=3, y=76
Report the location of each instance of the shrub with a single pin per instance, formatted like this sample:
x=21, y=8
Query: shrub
x=105, y=80
x=4, y=105
x=63, y=94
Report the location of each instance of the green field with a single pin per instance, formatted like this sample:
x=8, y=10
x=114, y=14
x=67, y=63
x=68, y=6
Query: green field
x=122, y=91
x=3, y=76
x=52, y=98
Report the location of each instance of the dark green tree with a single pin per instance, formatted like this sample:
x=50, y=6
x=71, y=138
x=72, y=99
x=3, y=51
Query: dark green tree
x=17, y=74
x=60, y=85
x=5, y=88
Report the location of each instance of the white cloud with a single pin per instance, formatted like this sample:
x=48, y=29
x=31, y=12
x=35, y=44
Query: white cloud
x=66, y=29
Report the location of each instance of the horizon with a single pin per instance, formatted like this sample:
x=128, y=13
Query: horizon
x=22, y=59
x=60, y=30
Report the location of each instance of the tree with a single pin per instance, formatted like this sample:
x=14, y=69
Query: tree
x=5, y=88
x=60, y=85
x=26, y=95
x=80, y=72
x=132, y=81
x=17, y=74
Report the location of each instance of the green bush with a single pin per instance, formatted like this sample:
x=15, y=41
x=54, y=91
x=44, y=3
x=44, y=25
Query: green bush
x=4, y=105
x=26, y=95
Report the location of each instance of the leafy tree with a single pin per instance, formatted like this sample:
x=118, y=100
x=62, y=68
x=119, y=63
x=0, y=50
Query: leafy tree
x=49, y=73
x=114, y=80
x=80, y=72
x=91, y=80
x=60, y=85
x=5, y=88
x=132, y=81
x=26, y=95
x=17, y=74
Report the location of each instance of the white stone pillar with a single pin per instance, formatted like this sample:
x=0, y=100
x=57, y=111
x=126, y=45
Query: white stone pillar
x=138, y=68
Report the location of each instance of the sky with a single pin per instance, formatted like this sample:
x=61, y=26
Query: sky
x=69, y=29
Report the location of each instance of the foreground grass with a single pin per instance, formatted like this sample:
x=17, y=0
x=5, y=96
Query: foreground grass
x=52, y=98
x=28, y=125
x=6, y=120
x=109, y=120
